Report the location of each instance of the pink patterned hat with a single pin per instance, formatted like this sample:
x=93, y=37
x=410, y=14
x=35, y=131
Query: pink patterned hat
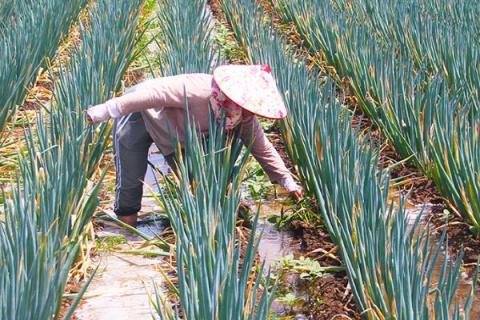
x=253, y=88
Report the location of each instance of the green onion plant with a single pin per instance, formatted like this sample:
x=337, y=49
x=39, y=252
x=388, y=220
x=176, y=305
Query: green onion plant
x=6, y=12
x=389, y=263
x=409, y=64
x=218, y=276
x=55, y=196
x=27, y=41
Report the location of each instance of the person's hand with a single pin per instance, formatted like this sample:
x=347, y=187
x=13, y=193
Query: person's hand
x=297, y=195
x=292, y=187
x=98, y=113
x=102, y=112
x=89, y=119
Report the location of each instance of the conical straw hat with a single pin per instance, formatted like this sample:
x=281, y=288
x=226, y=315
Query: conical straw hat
x=253, y=88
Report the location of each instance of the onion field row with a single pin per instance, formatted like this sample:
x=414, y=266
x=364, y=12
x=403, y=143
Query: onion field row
x=49, y=207
x=30, y=34
x=389, y=265
x=217, y=273
x=414, y=67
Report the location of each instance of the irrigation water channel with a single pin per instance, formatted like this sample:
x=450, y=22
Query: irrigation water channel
x=121, y=287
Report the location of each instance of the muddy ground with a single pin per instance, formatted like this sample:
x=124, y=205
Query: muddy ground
x=329, y=296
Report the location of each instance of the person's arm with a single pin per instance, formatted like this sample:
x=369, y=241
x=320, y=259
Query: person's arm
x=251, y=133
x=161, y=92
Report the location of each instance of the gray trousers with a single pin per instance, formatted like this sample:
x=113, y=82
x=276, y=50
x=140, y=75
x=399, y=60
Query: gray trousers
x=131, y=143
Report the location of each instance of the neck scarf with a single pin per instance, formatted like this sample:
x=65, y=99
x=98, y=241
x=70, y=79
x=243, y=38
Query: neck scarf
x=220, y=103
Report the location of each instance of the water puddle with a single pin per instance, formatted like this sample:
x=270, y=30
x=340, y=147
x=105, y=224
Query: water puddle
x=275, y=244
x=463, y=290
x=465, y=283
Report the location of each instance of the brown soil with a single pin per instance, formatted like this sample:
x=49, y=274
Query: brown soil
x=73, y=287
x=459, y=238
x=134, y=77
x=328, y=296
x=215, y=8
x=325, y=302
x=40, y=94
x=315, y=243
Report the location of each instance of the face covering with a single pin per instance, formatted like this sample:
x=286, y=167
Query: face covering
x=220, y=103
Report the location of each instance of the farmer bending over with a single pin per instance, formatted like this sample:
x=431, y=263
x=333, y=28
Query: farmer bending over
x=152, y=110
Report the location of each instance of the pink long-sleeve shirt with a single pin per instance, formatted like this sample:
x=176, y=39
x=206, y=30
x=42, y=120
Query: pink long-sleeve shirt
x=162, y=104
